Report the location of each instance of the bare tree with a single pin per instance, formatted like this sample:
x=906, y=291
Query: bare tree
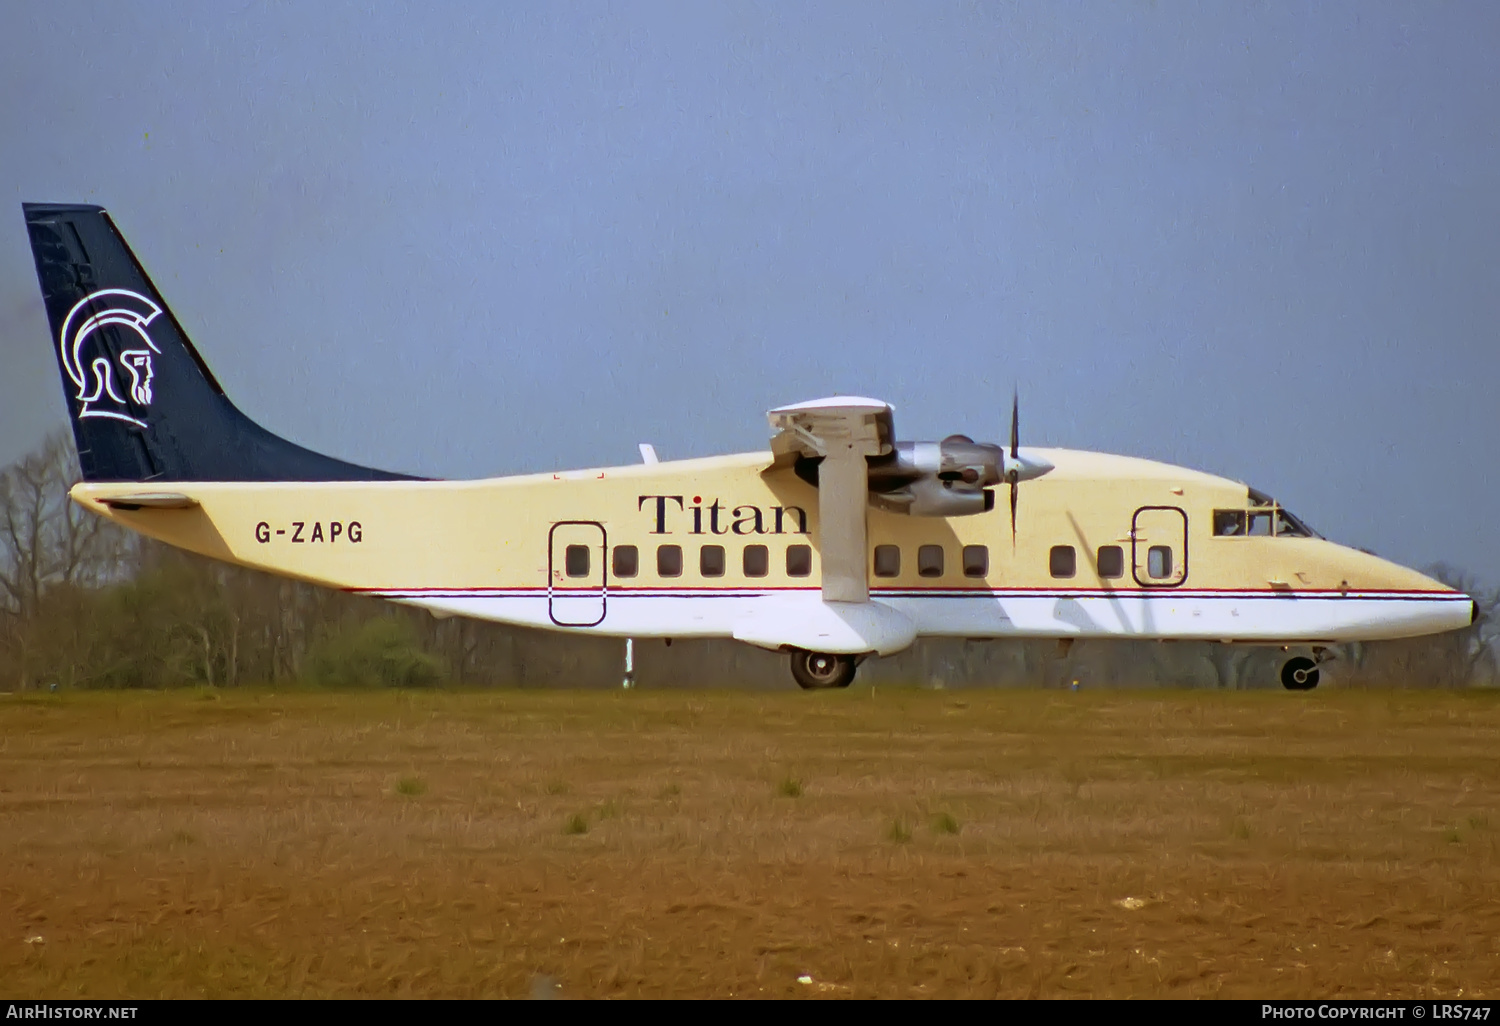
x=46, y=540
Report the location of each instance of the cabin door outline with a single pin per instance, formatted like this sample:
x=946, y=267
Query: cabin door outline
x=1159, y=525
x=577, y=600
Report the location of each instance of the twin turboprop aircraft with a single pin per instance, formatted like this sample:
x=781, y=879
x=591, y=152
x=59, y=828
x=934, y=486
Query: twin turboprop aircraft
x=839, y=543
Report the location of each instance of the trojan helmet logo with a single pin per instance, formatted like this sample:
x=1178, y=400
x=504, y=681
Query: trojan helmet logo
x=87, y=358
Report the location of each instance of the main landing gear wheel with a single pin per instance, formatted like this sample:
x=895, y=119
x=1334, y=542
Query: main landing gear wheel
x=1299, y=674
x=818, y=670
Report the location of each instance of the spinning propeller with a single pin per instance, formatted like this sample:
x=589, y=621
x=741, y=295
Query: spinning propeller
x=1013, y=471
x=1019, y=468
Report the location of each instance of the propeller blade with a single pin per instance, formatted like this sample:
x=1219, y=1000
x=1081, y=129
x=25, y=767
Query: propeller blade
x=1015, y=424
x=1013, y=475
x=1015, y=495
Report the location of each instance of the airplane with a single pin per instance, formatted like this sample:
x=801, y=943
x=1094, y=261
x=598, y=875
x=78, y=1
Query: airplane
x=839, y=543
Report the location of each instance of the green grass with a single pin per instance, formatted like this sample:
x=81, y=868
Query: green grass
x=945, y=823
x=411, y=787
x=577, y=824
x=790, y=787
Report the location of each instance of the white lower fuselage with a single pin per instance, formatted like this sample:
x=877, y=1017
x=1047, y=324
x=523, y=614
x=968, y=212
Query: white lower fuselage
x=1186, y=614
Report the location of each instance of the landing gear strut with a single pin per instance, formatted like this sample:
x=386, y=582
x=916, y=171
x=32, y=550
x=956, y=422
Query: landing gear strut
x=817, y=670
x=1299, y=674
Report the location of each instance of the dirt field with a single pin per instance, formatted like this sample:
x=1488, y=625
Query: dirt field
x=891, y=843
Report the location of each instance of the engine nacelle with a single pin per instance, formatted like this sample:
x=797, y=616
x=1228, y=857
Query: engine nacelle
x=929, y=497
x=950, y=478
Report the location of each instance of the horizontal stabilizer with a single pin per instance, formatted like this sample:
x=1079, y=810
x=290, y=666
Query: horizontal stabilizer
x=150, y=500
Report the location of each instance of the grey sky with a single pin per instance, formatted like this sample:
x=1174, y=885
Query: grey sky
x=479, y=240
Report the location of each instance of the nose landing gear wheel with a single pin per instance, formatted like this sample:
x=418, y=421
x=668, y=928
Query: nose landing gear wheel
x=818, y=670
x=1300, y=674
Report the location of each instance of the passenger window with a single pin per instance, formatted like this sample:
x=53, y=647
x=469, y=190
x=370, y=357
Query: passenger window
x=887, y=560
x=798, y=560
x=669, y=560
x=1111, y=561
x=930, y=561
x=1260, y=525
x=1229, y=523
x=1063, y=562
x=576, y=560
x=757, y=561
x=711, y=561
x=976, y=560
x=626, y=561
x=1159, y=561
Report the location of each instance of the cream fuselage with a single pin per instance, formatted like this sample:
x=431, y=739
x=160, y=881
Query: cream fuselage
x=497, y=549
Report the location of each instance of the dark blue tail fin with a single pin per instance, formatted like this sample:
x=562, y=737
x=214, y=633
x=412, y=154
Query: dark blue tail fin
x=144, y=405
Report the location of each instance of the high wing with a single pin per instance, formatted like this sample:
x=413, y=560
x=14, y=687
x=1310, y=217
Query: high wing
x=842, y=431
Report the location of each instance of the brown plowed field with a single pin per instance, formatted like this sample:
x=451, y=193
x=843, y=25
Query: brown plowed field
x=889, y=843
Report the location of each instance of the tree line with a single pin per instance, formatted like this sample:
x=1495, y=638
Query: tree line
x=85, y=604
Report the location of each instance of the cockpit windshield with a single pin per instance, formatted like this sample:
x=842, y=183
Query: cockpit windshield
x=1288, y=526
x=1265, y=518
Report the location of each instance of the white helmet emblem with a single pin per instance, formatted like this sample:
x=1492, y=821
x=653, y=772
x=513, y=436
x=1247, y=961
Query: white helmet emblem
x=95, y=378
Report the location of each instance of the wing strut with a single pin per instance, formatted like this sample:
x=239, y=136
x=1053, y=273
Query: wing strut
x=843, y=430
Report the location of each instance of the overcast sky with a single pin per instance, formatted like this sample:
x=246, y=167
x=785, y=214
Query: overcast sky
x=472, y=240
